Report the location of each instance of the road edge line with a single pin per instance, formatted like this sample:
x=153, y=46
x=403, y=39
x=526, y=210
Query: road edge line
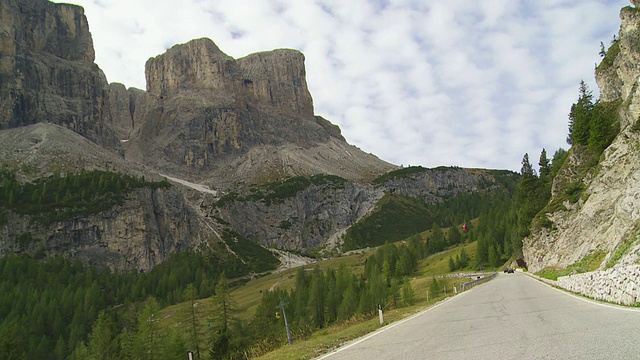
x=391, y=326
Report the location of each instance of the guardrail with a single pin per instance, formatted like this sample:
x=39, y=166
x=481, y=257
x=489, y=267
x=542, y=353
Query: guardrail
x=470, y=284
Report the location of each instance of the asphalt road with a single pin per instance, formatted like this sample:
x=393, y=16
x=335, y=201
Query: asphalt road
x=511, y=317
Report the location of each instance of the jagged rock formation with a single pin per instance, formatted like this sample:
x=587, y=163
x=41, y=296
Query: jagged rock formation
x=207, y=113
x=313, y=219
x=138, y=235
x=432, y=185
x=319, y=215
x=608, y=216
x=126, y=108
x=47, y=72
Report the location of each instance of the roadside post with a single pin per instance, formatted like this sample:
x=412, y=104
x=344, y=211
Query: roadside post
x=380, y=313
x=286, y=324
x=189, y=355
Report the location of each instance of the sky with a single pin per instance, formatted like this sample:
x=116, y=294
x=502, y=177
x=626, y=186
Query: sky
x=469, y=83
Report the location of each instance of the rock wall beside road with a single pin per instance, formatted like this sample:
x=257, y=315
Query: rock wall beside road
x=620, y=285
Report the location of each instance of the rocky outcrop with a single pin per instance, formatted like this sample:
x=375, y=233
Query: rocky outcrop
x=47, y=72
x=126, y=109
x=432, y=185
x=277, y=79
x=138, y=235
x=206, y=112
x=318, y=216
x=608, y=215
x=310, y=220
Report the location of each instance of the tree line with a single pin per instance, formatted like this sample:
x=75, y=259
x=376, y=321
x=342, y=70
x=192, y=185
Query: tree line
x=47, y=308
x=319, y=299
x=506, y=220
x=61, y=197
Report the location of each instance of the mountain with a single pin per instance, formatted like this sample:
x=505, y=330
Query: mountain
x=251, y=120
x=216, y=155
x=47, y=70
x=593, y=211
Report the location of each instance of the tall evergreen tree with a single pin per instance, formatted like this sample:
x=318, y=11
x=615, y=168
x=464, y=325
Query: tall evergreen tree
x=454, y=235
x=579, y=116
x=545, y=164
x=223, y=314
x=101, y=340
x=192, y=319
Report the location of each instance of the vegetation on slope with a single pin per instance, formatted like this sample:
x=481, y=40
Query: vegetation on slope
x=63, y=197
x=46, y=309
x=276, y=192
x=399, y=174
x=396, y=217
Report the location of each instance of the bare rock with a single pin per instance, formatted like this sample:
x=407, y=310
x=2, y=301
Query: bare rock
x=47, y=72
x=277, y=78
x=607, y=216
x=126, y=109
x=207, y=115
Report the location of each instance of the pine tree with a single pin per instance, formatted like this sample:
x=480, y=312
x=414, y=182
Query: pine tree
x=408, y=294
x=454, y=235
x=544, y=164
x=464, y=260
x=148, y=339
x=223, y=314
x=436, y=242
x=101, y=340
x=192, y=319
x=580, y=117
x=349, y=304
x=434, y=288
x=316, y=305
x=493, y=256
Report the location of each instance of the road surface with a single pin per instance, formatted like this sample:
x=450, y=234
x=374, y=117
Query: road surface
x=511, y=317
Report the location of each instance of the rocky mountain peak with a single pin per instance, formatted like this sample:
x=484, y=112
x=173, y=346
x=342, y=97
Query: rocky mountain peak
x=61, y=30
x=196, y=65
x=277, y=78
x=207, y=114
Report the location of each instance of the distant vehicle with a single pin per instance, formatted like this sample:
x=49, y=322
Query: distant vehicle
x=508, y=270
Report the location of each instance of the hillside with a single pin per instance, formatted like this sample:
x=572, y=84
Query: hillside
x=594, y=204
x=244, y=129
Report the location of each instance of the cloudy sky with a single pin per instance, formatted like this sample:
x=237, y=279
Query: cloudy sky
x=471, y=83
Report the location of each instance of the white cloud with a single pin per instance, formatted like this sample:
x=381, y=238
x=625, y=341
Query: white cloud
x=443, y=82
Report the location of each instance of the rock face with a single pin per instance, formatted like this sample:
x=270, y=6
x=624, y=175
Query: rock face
x=138, y=235
x=126, y=109
x=319, y=215
x=432, y=185
x=608, y=216
x=207, y=112
x=47, y=72
x=236, y=123
x=312, y=219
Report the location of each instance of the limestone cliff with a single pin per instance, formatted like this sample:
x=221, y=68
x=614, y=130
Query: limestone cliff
x=607, y=217
x=138, y=235
x=317, y=216
x=47, y=73
x=126, y=108
x=208, y=115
